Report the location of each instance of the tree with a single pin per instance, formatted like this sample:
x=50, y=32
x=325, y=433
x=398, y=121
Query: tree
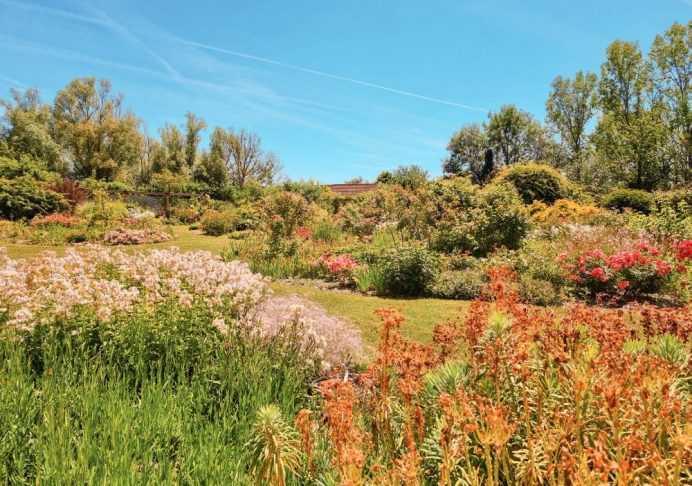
x=193, y=127
x=210, y=170
x=409, y=177
x=470, y=153
x=99, y=137
x=569, y=108
x=245, y=160
x=516, y=136
x=630, y=137
x=171, y=155
x=671, y=55
x=28, y=129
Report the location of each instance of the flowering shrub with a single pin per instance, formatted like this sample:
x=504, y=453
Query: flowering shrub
x=59, y=219
x=562, y=211
x=589, y=397
x=125, y=236
x=48, y=286
x=339, y=267
x=632, y=273
x=333, y=341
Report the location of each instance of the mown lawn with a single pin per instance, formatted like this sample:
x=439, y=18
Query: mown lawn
x=185, y=239
x=421, y=314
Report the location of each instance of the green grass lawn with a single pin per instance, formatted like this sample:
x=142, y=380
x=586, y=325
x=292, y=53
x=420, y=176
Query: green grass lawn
x=185, y=239
x=421, y=314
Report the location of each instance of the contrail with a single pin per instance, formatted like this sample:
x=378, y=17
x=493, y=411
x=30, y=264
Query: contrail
x=324, y=74
x=105, y=21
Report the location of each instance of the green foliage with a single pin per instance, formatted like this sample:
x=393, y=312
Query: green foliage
x=501, y=219
x=634, y=199
x=324, y=230
x=370, y=278
x=25, y=166
x=284, y=212
x=409, y=177
x=407, y=270
x=668, y=225
x=312, y=191
x=217, y=223
x=536, y=182
x=459, y=284
x=151, y=397
x=102, y=210
x=538, y=291
x=94, y=184
x=25, y=197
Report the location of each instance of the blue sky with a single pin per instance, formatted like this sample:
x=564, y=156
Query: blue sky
x=335, y=89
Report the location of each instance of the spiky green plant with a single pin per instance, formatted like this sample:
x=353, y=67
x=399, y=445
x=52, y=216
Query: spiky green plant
x=273, y=447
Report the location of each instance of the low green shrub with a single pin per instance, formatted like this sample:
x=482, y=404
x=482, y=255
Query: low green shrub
x=538, y=292
x=407, y=270
x=369, y=278
x=634, y=199
x=459, y=284
x=25, y=197
x=501, y=220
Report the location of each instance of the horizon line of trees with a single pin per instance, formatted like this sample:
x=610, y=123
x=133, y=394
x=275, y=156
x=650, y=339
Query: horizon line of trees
x=632, y=124
x=88, y=133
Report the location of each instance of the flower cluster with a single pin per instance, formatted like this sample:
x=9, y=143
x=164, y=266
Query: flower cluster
x=335, y=342
x=642, y=270
x=593, y=396
x=39, y=289
x=339, y=266
x=58, y=219
x=125, y=236
x=304, y=233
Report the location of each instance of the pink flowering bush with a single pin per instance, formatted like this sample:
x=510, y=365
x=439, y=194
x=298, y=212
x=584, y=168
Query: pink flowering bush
x=338, y=267
x=333, y=341
x=110, y=284
x=127, y=236
x=631, y=273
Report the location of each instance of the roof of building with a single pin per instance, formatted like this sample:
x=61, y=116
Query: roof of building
x=351, y=189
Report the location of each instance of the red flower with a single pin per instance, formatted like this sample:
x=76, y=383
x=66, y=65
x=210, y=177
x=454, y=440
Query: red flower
x=597, y=272
x=623, y=284
x=303, y=233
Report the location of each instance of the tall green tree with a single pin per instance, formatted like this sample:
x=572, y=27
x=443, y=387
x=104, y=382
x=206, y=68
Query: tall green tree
x=469, y=153
x=28, y=129
x=193, y=127
x=630, y=137
x=570, y=106
x=243, y=156
x=171, y=155
x=98, y=134
x=671, y=56
x=517, y=136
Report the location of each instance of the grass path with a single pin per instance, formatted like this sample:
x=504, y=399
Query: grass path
x=421, y=314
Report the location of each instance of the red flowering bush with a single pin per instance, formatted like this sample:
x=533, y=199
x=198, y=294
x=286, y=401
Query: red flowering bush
x=58, y=219
x=645, y=270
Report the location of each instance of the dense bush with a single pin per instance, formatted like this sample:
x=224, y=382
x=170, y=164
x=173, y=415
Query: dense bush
x=12, y=169
x=672, y=199
x=459, y=284
x=634, y=199
x=284, y=212
x=562, y=211
x=501, y=220
x=25, y=197
x=103, y=211
x=407, y=270
x=217, y=223
x=536, y=182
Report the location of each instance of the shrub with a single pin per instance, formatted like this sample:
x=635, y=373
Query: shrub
x=284, y=212
x=665, y=225
x=634, y=199
x=369, y=278
x=103, y=211
x=501, y=220
x=25, y=166
x=407, y=270
x=628, y=273
x=217, y=223
x=326, y=231
x=186, y=215
x=536, y=182
x=459, y=284
x=124, y=236
x=538, y=292
x=58, y=219
x=24, y=198
x=562, y=211
x=672, y=199
x=71, y=191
